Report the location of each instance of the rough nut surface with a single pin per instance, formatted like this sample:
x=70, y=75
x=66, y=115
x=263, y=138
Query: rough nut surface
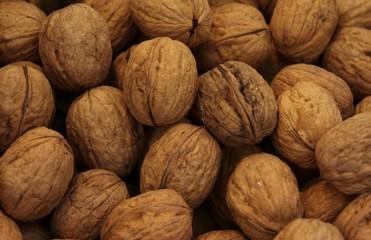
x=215, y=3
x=118, y=68
x=364, y=105
x=34, y=231
x=222, y=235
x=8, y=228
x=354, y=13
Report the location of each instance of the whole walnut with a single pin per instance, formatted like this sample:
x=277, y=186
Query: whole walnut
x=160, y=82
x=20, y=25
x=102, y=131
x=348, y=56
x=215, y=3
x=354, y=13
x=34, y=231
x=27, y=101
x=364, y=105
x=75, y=48
x=306, y=111
x=118, y=68
x=222, y=235
x=8, y=228
x=160, y=214
x=236, y=104
x=301, y=29
x=336, y=86
x=34, y=174
x=91, y=196
x=263, y=196
x=343, y=155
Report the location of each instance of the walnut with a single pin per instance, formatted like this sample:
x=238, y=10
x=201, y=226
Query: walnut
x=301, y=29
x=263, y=195
x=75, y=48
x=27, y=101
x=118, y=68
x=34, y=174
x=160, y=214
x=160, y=81
x=236, y=104
x=8, y=228
x=343, y=155
x=222, y=235
x=27, y=64
x=215, y=3
x=34, y=231
x=102, y=131
x=20, y=24
x=348, y=56
x=364, y=105
x=186, y=159
x=35, y=2
x=306, y=111
x=354, y=13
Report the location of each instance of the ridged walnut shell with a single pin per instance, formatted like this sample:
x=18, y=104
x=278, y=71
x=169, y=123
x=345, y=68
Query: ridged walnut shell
x=34, y=231
x=215, y=3
x=236, y=104
x=263, y=196
x=34, y=174
x=35, y=2
x=161, y=214
x=8, y=228
x=355, y=13
x=364, y=105
x=306, y=112
x=301, y=29
x=222, y=235
x=343, y=155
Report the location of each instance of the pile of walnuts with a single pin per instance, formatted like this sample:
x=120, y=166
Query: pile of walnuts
x=192, y=119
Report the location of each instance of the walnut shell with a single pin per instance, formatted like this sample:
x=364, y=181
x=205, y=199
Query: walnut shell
x=343, y=155
x=186, y=159
x=34, y=174
x=160, y=81
x=8, y=228
x=75, y=48
x=35, y=2
x=215, y=3
x=354, y=13
x=34, y=231
x=364, y=105
x=236, y=104
x=118, y=68
x=301, y=29
x=222, y=235
x=102, y=131
x=27, y=101
x=160, y=214
x=306, y=111
x=27, y=64
x=263, y=196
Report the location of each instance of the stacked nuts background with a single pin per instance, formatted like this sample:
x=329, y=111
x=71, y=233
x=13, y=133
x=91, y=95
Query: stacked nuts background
x=185, y=119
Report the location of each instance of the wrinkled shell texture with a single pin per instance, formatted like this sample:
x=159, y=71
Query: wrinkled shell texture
x=34, y=174
x=222, y=235
x=309, y=229
x=102, y=131
x=186, y=159
x=20, y=25
x=263, y=196
x=34, y=231
x=186, y=21
x=92, y=195
x=27, y=101
x=348, y=56
x=118, y=68
x=236, y=104
x=305, y=112
x=214, y=3
x=343, y=155
x=8, y=228
x=364, y=105
x=75, y=48
x=160, y=81
x=160, y=214
x=301, y=29
x=337, y=87
x=355, y=13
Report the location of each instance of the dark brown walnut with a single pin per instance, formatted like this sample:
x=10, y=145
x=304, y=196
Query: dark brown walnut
x=160, y=82
x=239, y=33
x=222, y=235
x=34, y=174
x=34, y=231
x=364, y=105
x=161, y=214
x=348, y=56
x=215, y=3
x=301, y=29
x=75, y=48
x=236, y=104
x=92, y=195
x=263, y=196
x=306, y=112
x=336, y=86
x=20, y=25
x=309, y=229
x=118, y=68
x=26, y=99
x=8, y=228
x=102, y=131
x=354, y=13
x=343, y=155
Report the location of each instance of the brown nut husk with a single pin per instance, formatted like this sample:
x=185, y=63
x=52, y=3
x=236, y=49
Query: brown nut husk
x=75, y=48
x=306, y=112
x=354, y=13
x=118, y=68
x=91, y=197
x=301, y=29
x=343, y=155
x=348, y=56
x=215, y=3
x=27, y=101
x=222, y=235
x=160, y=82
x=34, y=231
x=34, y=174
x=186, y=159
x=160, y=214
x=20, y=25
x=102, y=131
x=236, y=104
x=364, y=105
x=8, y=228
x=263, y=196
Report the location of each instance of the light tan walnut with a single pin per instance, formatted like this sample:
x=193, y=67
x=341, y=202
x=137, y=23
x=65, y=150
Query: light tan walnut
x=8, y=228
x=222, y=235
x=355, y=13
x=364, y=105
